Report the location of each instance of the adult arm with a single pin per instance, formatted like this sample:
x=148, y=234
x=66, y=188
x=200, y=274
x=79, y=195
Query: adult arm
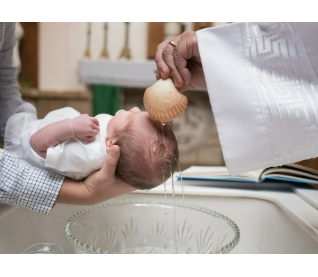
x=263, y=88
x=27, y=186
x=10, y=97
x=37, y=189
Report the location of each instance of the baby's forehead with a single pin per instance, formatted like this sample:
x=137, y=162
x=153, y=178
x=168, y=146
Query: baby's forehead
x=142, y=118
x=145, y=128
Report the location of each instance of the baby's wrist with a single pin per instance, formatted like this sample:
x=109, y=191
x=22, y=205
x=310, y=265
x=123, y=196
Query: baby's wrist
x=72, y=127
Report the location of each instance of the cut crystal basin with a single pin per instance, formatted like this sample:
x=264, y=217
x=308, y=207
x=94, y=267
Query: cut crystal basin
x=151, y=227
x=266, y=227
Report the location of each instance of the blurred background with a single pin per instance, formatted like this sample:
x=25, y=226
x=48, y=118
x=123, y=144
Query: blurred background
x=101, y=67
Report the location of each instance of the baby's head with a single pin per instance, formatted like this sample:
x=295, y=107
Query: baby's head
x=149, y=150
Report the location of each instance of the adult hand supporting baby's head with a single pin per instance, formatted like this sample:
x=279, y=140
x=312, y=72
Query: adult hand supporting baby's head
x=99, y=186
x=112, y=159
x=103, y=184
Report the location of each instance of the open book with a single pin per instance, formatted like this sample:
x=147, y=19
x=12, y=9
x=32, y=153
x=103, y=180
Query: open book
x=288, y=172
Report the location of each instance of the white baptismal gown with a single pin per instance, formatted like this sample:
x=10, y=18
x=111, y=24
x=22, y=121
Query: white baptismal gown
x=71, y=158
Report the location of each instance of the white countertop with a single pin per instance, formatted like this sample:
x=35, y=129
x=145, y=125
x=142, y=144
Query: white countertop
x=291, y=202
x=270, y=221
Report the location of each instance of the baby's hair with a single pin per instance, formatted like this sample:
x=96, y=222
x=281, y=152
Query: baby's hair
x=147, y=156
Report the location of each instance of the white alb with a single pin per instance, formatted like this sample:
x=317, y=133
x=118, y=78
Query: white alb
x=263, y=87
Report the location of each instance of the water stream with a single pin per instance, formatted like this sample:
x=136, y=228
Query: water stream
x=174, y=200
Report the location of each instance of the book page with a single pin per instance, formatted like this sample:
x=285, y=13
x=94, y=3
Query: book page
x=284, y=177
x=290, y=172
x=218, y=172
x=303, y=168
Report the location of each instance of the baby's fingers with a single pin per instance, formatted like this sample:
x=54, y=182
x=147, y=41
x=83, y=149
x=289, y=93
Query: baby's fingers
x=95, y=121
x=93, y=131
x=89, y=134
x=95, y=127
x=90, y=138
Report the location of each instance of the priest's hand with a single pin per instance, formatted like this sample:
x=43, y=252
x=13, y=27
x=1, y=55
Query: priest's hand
x=182, y=63
x=99, y=186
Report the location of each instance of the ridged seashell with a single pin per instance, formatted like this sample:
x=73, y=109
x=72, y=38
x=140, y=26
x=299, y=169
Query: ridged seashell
x=163, y=101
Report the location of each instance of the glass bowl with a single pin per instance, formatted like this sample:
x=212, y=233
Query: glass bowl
x=138, y=227
x=44, y=248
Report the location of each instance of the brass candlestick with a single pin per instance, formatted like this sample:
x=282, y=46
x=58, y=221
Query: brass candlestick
x=104, y=54
x=125, y=53
x=87, y=53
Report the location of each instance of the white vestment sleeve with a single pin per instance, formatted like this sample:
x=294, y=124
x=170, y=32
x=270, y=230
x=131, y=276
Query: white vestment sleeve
x=263, y=88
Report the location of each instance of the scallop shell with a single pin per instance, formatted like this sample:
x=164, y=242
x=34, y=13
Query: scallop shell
x=163, y=101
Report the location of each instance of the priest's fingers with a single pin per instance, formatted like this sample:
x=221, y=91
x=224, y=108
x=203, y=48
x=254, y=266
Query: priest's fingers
x=165, y=62
x=168, y=57
x=163, y=69
x=186, y=50
x=180, y=56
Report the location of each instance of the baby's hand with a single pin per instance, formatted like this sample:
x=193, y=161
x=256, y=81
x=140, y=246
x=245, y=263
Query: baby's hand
x=84, y=127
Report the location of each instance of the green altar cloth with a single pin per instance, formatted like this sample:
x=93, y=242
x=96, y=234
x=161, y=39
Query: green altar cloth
x=105, y=99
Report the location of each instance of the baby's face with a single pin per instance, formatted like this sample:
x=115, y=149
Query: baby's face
x=121, y=119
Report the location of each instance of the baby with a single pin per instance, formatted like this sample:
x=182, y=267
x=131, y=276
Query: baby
x=76, y=145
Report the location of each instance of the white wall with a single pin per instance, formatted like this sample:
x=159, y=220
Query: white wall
x=216, y=24
x=62, y=45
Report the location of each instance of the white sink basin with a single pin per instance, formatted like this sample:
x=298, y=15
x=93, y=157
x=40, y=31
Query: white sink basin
x=266, y=226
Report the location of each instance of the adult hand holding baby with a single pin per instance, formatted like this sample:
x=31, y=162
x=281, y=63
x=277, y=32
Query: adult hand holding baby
x=97, y=187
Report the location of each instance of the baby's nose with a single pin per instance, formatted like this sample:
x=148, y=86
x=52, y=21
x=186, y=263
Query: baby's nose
x=134, y=110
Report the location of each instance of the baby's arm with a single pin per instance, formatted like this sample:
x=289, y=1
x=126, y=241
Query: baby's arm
x=83, y=127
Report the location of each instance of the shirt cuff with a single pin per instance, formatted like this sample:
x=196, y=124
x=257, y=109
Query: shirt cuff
x=41, y=190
